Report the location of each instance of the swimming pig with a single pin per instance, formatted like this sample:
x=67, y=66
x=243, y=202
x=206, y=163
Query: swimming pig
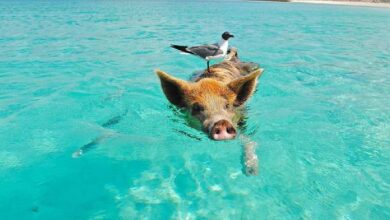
x=215, y=98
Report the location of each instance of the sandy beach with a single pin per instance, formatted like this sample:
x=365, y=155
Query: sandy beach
x=330, y=2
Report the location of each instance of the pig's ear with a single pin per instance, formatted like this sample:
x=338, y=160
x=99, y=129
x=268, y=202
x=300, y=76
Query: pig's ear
x=173, y=88
x=244, y=86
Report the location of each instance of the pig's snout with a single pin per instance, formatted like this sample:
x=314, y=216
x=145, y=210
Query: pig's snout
x=223, y=130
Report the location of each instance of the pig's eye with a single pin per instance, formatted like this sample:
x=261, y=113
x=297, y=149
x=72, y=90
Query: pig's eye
x=196, y=108
x=227, y=106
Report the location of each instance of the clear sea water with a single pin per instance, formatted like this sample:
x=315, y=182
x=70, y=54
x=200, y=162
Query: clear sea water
x=76, y=71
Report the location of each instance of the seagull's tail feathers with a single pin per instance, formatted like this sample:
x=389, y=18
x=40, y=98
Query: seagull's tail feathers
x=181, y=48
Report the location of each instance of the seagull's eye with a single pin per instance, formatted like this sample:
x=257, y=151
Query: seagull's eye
x=196, y=108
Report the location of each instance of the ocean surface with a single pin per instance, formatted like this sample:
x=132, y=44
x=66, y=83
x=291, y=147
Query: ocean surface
x=86, y=132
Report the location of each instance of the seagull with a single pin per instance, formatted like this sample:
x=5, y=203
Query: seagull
x=208, y=51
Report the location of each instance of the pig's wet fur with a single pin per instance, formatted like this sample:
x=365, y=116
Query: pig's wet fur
x=215, y=97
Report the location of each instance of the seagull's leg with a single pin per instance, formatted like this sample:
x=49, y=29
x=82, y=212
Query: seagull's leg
x=208, y=66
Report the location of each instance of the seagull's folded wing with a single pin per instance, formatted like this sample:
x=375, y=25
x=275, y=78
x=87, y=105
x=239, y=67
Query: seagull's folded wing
x=206, y=50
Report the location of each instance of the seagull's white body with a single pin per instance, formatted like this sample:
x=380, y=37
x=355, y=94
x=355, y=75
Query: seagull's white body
x=222, y=45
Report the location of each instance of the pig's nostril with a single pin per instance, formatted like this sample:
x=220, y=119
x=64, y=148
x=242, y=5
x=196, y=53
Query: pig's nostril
x=223, y=130
x=231, y=130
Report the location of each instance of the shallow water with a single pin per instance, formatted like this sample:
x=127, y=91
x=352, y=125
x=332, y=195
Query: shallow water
x=72, y=72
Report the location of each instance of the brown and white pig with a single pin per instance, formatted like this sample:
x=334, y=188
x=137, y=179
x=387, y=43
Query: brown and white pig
x=215, y=98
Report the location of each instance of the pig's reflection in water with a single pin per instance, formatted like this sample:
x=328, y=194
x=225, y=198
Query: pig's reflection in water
x=93, y=144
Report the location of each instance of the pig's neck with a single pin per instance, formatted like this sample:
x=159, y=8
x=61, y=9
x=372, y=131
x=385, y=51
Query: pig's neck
x=223, y=45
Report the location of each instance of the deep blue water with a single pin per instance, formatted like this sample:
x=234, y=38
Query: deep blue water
x=320, y=116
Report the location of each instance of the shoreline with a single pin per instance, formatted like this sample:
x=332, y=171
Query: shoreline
x=333, y=2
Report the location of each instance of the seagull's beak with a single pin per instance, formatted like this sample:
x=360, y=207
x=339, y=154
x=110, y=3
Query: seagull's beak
x=231, y=35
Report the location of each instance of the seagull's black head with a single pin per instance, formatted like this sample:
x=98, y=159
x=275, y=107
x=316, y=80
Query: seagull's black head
x=226, y=35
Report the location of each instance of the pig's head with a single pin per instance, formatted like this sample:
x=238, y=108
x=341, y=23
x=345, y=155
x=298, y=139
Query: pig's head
x=212, y=102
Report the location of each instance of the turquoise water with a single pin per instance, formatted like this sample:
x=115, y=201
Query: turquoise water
x=76, y=71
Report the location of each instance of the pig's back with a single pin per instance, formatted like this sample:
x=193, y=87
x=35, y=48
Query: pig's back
x=223, y=72
x=227, y=71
